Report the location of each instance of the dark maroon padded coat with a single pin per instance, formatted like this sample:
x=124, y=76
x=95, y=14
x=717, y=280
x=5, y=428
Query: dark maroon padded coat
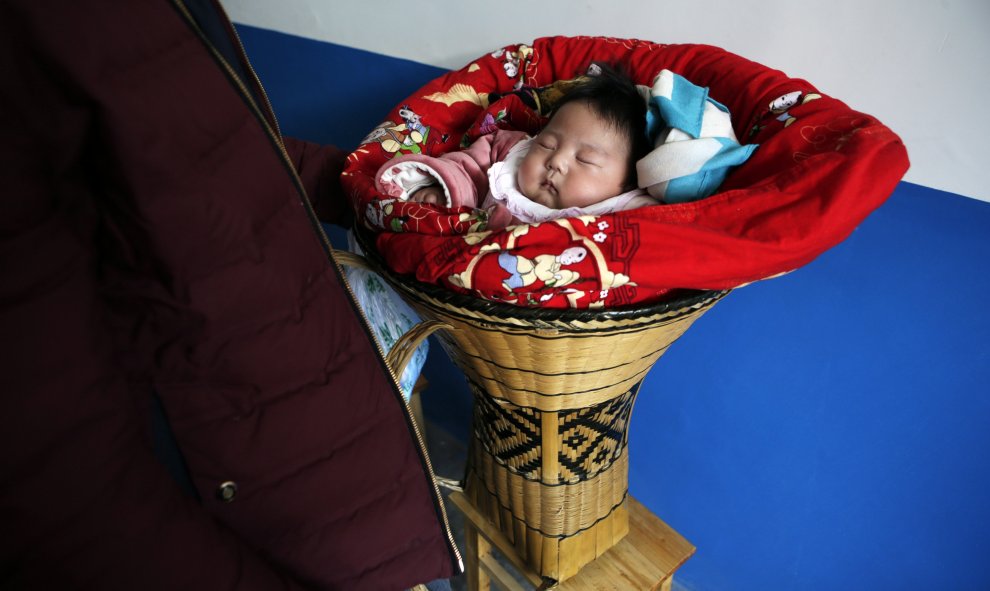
x=156, y=236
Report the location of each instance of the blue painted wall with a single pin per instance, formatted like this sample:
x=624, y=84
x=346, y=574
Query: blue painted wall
x=827, y=429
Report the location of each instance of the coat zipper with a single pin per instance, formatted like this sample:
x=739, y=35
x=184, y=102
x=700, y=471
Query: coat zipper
x=276, y=135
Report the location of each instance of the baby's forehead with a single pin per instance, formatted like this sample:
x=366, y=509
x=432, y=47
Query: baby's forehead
x=585, y=125
x=577, y=116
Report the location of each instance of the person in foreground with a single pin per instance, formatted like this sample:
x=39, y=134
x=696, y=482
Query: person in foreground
x=160, y=246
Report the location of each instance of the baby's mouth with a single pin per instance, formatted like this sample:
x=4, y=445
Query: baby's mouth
x=550, y=187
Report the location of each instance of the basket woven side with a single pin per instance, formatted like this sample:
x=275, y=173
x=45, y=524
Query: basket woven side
x=554, y=392
x=560, y=367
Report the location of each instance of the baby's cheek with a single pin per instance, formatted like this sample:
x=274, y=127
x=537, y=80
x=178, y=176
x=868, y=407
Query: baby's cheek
x=524, y=178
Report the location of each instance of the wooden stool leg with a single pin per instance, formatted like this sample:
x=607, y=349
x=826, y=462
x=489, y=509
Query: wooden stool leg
x=477, y=548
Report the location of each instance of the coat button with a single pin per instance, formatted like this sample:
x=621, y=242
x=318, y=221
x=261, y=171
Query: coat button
x=227, y=491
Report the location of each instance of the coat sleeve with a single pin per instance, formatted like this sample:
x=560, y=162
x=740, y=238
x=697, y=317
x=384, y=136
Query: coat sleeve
x=319, y=169
x=83, y=501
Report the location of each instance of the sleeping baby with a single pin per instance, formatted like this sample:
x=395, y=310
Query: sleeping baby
x=583, y=162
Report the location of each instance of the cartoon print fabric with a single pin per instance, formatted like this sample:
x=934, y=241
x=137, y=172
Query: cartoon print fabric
x=820, y=170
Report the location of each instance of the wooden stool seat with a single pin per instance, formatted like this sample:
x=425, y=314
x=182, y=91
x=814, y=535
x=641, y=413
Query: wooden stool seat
x=646, y=558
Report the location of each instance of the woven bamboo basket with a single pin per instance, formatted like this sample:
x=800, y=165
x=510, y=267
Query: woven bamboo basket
x=553, y=395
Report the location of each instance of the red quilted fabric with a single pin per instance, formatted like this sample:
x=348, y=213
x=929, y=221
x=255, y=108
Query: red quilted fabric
x=821, y=168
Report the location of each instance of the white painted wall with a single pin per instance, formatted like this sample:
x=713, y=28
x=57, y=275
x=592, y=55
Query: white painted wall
x=922, y=67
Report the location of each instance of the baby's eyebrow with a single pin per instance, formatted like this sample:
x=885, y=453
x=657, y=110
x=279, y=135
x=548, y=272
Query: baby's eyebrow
x=593, y=148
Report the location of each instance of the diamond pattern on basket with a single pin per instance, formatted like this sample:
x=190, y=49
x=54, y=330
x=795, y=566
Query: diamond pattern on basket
x=591, y=439
x=510, y=434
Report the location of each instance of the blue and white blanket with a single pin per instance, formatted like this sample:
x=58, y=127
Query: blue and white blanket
x=694, y=145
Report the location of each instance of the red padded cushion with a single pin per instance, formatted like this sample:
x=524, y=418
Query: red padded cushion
x=820, y=169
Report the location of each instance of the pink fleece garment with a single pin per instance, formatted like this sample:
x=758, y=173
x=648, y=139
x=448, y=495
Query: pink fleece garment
x=464, y=173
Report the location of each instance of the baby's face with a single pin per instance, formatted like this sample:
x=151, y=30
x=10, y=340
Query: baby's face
x=576, y=161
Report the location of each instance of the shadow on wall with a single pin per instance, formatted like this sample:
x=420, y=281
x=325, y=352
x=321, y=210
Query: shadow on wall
x=328, y=93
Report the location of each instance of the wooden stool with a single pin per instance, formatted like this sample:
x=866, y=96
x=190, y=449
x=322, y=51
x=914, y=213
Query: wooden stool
x=645, y=559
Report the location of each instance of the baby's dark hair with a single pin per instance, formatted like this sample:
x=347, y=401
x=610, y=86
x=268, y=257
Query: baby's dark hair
x=612, y=95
